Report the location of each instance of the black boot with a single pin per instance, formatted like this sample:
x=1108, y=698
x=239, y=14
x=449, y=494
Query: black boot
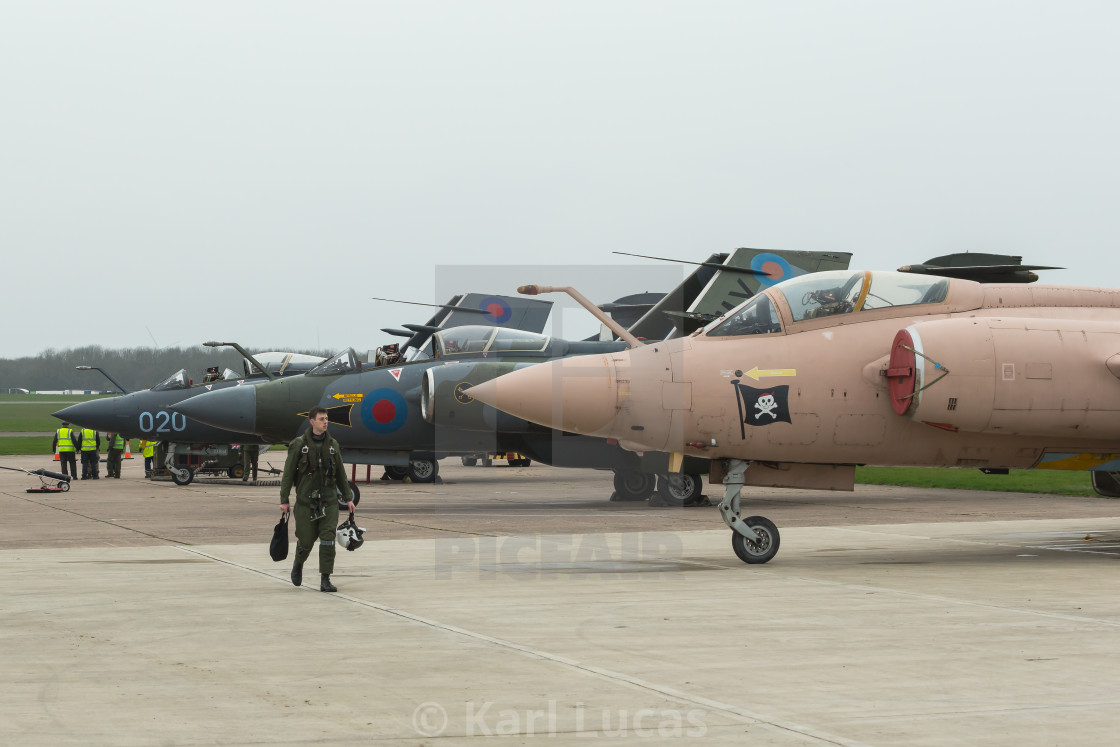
x=297, y=572
x=325, y=584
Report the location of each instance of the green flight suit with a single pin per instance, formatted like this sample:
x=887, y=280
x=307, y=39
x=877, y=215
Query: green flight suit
x=113, y=456
x=250, y=453
x=316, y=470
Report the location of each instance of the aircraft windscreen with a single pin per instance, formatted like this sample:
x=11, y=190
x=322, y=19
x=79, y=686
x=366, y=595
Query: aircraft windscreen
x=344, y=362
x=823, y=294
x=420, y=354
x=755, y=317
x=230, y=375
x=177, y=380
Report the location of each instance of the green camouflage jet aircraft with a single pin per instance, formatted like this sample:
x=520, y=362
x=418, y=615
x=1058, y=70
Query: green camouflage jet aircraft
x=377, y=414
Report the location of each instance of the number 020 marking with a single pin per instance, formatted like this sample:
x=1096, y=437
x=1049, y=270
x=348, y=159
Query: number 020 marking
x=162, y=421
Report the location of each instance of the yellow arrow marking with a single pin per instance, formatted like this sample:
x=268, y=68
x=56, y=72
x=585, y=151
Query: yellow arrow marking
x=346, y=396
x=756, y=374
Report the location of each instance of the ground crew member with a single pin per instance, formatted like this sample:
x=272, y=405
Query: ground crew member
x=250, y=453
x=116, y=451
x=91, y=454
x=64, y=442
x=148, y=449
x=314, y=466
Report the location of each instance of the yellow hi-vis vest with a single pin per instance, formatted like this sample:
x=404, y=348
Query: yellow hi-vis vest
x=89, y=440
x=147, y=448
x=118, y=443
x=65, y=439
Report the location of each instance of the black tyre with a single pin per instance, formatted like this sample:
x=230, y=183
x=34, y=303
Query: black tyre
x=236, y=472
x=177, y=476
x=63, y=485
x=470, y=461
x=761, y=551
x=633, y=485
x=679, y=489
x=487, y=461
x=523, y=462
x=423, y=470
x=396, y=473
x=357, y=496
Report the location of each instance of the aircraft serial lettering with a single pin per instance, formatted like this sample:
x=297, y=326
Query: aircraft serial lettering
x=161, y=420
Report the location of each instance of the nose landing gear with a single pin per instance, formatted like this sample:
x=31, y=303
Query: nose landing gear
x=754, y=539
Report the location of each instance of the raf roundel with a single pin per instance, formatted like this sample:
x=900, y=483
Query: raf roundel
x=497, y=310
x=384, y=410
x=777, y=268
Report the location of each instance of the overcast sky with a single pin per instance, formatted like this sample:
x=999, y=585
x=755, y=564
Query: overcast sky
x=259, y=170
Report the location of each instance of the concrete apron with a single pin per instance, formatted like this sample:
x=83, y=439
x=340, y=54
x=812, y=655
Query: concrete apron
x=982, y=633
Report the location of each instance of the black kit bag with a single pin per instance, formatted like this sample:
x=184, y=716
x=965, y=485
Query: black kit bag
x=278, y=548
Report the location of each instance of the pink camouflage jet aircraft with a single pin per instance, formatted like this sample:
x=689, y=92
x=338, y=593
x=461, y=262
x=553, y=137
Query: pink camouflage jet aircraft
x=823, y=372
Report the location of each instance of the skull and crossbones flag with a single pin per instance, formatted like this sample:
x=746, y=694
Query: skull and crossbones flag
x=761, y=406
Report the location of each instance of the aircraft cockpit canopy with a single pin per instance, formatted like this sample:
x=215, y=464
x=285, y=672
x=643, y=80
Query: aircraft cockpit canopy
x=177, y=380
x=344, y=362
x=822, y=294
x=476, y=341
x=230, y=375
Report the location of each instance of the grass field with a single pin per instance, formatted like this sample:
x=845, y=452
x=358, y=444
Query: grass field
x=51, y=397
x=1060, y=482
x=32, y=412
x=33, y=446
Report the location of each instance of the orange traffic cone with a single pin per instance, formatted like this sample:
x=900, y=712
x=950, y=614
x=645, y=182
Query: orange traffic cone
x=127, y=450
x=56, y=454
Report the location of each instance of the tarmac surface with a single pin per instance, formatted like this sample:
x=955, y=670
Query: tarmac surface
x=521, y=602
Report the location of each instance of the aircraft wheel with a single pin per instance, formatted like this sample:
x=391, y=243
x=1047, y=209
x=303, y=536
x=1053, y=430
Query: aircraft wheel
x=679, y=489
x=357, y=496
x=487, y=462
x=423, y=470
x=236, y=472
x=470, y=461
x=182, y=476
x=761, y=551
x=523, y=462
x=396, y=473
x=63, y=486
x=633, y=485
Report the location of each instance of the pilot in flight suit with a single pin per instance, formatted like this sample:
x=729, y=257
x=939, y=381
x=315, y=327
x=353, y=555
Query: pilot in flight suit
x=314, y=466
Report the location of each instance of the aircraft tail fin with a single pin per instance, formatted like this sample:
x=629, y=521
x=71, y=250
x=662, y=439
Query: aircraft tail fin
x=723, y=282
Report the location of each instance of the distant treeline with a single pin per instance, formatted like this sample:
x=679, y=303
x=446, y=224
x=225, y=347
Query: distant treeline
x=134, y=368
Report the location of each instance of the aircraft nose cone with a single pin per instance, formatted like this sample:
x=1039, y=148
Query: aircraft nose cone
x=98, y=414
x=579, y=395
x=233, y=408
